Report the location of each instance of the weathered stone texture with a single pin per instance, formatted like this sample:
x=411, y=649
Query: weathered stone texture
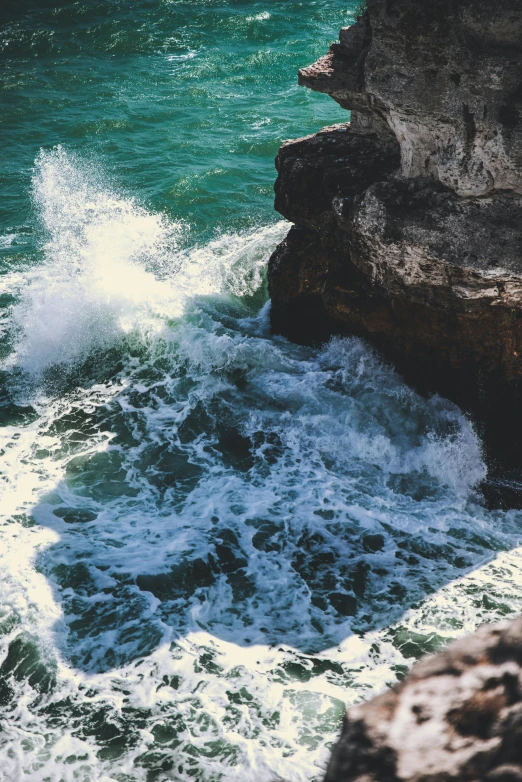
x=456, y=716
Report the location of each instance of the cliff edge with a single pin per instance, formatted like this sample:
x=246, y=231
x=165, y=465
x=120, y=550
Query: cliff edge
x=408, y=219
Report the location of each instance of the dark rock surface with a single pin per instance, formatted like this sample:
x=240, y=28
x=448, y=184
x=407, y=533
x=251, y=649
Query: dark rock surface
x=456, y=716
x=408, y=219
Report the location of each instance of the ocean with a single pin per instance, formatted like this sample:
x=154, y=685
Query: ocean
x=212, y=539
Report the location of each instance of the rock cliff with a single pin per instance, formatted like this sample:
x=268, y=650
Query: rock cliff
x=408, y=219
x=457, y=716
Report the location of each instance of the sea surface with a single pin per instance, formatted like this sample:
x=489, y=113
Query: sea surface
x=212, y=539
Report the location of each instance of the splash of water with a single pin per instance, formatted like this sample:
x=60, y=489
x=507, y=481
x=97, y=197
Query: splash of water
x=112, y=270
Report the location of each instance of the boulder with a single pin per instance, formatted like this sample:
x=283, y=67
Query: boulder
x=456, y=717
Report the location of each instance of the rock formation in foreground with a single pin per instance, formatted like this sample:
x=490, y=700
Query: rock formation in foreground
x=457, y=716
x=408, y=219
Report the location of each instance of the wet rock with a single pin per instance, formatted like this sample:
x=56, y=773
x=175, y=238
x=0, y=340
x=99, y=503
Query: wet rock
x=408, y=219
x=456, y=716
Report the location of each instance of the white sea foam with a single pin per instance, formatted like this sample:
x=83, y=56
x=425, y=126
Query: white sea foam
x=7, y=240
x=261, y=17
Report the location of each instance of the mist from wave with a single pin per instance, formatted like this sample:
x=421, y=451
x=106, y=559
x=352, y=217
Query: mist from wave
x=111, y=270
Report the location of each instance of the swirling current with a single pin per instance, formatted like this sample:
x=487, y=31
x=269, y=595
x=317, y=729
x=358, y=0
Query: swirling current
x=212, y=539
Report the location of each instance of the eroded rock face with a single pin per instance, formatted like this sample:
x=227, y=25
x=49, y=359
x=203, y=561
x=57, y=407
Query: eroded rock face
x=456, y=716
x=409, y=218
x=447, y=77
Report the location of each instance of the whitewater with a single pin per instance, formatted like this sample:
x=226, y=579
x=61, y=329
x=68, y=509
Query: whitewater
x=213, y=539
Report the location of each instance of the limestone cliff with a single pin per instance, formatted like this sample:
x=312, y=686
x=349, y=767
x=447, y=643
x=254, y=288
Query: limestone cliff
x=408, y=219
x=457, y=716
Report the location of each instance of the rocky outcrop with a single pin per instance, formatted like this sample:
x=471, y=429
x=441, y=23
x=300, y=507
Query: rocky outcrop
x=456, y=716
x=408, y=219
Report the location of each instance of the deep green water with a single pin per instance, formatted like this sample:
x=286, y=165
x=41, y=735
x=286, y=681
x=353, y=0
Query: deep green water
x=182, y=104
x=212, y=539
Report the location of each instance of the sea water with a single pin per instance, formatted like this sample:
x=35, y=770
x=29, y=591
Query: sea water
x=213, y=540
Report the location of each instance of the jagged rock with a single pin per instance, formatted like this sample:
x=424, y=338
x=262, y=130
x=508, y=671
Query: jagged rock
x=409, y=218
x=316, y=169
x=457, y=716
x=447, y=77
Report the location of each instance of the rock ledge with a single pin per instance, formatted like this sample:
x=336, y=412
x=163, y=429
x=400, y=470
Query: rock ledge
x=408, y=219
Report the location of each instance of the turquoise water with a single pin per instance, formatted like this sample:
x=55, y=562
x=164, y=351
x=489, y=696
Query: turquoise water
x=212, y=539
